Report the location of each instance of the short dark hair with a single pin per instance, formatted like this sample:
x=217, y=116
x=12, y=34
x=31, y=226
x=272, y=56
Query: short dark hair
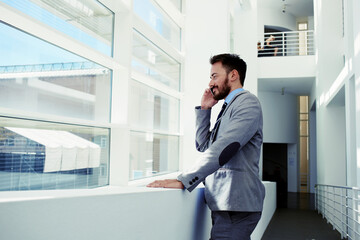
x=230, y=62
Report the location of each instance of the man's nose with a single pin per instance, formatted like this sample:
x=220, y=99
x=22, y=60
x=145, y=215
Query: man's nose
x=211, y=83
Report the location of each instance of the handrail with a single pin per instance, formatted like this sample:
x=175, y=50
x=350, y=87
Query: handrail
x=340, y=206
x=48, y=67
x=291, y=43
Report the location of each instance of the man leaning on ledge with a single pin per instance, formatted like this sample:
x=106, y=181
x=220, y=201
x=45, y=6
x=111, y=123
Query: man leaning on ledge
x=229, y=166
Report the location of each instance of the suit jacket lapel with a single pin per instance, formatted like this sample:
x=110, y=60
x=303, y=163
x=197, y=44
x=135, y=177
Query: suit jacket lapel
x=215, y=130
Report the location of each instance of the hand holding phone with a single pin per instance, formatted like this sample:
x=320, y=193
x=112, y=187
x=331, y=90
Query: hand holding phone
x=207, y=100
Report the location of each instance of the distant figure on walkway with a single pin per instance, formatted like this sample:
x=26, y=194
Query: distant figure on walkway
x=260, y=49
x=270, y=50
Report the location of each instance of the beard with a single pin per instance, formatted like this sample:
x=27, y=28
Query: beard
x=224, y=91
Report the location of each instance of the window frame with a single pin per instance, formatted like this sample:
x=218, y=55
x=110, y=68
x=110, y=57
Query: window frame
x=125, y=20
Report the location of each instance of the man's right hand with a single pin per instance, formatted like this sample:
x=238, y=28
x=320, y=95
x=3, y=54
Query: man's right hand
x=207, y=100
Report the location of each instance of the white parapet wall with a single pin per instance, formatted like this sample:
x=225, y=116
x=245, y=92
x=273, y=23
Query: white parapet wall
x=128, y=213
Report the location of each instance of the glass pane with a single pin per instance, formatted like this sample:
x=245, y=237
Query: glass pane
x=304, y=154
x=153, y=15
x=150, y=60
x=304, y=108
x=87, y=21
x=304, y=116
x=36, y=76
x=303, y=128
x=152, y=109
x=42, y=155
x=152, y=154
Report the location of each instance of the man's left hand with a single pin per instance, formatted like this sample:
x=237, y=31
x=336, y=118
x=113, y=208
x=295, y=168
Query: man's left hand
x=167, y=183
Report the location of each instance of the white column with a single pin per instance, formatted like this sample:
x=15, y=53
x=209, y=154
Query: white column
x=206, y=34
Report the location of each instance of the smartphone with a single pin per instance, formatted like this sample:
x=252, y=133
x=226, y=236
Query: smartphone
x=211, y=90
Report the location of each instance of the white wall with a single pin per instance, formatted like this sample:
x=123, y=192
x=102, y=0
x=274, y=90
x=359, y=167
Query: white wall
x=245, y=39
x=356, y=56
x=119, y=213
x=312, y=150
x=330, y=120
x=286, y=67
x=280, y=113
x=206, y=34
x=272, y=17
x=292, y=168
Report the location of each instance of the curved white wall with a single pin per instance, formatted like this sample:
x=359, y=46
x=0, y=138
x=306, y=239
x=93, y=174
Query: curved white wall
x=118, y=213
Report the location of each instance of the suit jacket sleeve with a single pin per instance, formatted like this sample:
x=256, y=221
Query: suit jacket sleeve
x=239, y=125
x=202, y=129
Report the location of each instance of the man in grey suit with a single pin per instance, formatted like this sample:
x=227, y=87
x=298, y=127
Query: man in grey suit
x=229, y=166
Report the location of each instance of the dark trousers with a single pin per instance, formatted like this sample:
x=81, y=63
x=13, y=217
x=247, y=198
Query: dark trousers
x=233, y=225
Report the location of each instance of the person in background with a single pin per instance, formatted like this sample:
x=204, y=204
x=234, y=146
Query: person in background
x=260, y=49
x=269, y=49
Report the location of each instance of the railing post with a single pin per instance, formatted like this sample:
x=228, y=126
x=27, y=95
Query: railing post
x=342, y=214
x=334, y=207
x=283, y=43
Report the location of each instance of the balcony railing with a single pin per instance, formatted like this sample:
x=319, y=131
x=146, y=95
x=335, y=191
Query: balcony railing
x=294, y=43
x=341, y=208
x=68, y=66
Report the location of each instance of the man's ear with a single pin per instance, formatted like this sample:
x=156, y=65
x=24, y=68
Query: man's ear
x=234, y=75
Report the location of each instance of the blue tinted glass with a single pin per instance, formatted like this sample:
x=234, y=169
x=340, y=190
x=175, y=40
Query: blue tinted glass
x=52, y=156
x=101, y=27
x=37, y=77
x=158, y=20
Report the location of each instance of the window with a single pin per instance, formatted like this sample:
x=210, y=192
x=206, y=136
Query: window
x=36, y=76
x=63, y=94
x=155, y=98
x=38, y=156
x=153, y=110
x=86, y=21
x=55, y=120
x=151, y=154
x=304, y=142
x=158, y=20
x=150, y=60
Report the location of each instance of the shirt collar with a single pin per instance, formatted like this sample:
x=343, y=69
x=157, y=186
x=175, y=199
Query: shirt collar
x=232, y=94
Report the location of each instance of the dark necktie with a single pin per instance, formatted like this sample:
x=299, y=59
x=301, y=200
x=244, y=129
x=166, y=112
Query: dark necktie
x=220, y=114
x=222, y=111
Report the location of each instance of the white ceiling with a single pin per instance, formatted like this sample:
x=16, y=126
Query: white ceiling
x=298, y=8
x=296, y=86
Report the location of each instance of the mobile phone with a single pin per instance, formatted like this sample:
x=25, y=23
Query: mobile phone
x=211, y=90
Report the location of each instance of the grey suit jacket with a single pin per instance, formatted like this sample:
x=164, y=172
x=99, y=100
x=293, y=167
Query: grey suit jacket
x=230, y=162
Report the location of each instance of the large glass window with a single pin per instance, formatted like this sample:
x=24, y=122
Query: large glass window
x=152, y=109
x=36, y=76
x=38, y=155
x=86, y=21
x=304, y=142
x=150, y=60
x=158, y=20
x=151, y=154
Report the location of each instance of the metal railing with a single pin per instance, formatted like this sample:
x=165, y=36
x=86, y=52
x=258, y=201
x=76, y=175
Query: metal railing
x=340, y=206
x=48, y=67
x=294, y=43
